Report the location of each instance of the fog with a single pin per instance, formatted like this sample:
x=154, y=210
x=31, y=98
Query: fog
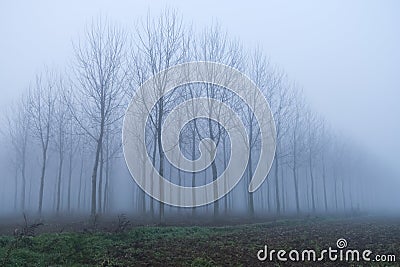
x=340, y=58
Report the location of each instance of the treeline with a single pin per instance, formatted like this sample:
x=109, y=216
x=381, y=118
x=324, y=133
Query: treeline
x=64, y=134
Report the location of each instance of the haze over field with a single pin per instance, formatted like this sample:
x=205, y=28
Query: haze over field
x=336, y=64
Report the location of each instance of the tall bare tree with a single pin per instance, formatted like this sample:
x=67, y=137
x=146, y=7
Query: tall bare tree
x=260, y=72
x=17, y=121
x=160, y=42
x=214, y=45
x=100, y=76
x=42, y=99
x=296, y=142
x=61, y=122
x=280, y=105
x=313, y=125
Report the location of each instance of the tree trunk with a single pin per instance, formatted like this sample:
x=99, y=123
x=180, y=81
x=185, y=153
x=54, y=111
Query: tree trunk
x=100, y=185
x=94, y=176
x=294, y=169
x=324, y=181
x=16, y=185
x=44, y=158
x=250, y=170
x=312, y=182
x=152, y=177
x=278, y=203
x=69, y=181
x=161, y=163
x=283, y=190
x=141, y=192
x=106, y=191
x=225, y=183
x=60, y=166
x=296, y=188
x=250, y=194
x=193, y=167
x=336, y=195
x=344, y=197
x=80, y=186
x=23, y=176
x=214, y=171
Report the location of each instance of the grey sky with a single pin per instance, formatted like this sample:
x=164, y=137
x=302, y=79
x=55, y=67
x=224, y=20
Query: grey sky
x=345, y=54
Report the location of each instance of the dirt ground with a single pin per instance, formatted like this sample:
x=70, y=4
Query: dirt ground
x=82, y=243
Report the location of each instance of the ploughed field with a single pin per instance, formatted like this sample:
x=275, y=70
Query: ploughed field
x=119, y=243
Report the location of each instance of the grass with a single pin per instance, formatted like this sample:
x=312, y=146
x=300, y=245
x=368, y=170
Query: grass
x=196, y=246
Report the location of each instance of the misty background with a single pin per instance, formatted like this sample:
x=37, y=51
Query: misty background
x=345, y=57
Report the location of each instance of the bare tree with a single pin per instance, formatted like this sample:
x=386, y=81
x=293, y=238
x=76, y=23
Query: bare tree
x=100, y=76
x=138, y=75
x=160, y=42
x=296, y=143
x=60, y=135
x=260, y=71
x=42, y=99
x=280, y=105
x=325, y=149
x=17, y=123
x=313, y=125
x=214, y=45
x=74, y=143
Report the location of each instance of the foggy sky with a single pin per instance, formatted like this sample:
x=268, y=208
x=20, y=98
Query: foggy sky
x=344, y=54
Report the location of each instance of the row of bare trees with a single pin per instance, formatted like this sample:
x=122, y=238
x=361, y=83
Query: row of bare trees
x=64, y=132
